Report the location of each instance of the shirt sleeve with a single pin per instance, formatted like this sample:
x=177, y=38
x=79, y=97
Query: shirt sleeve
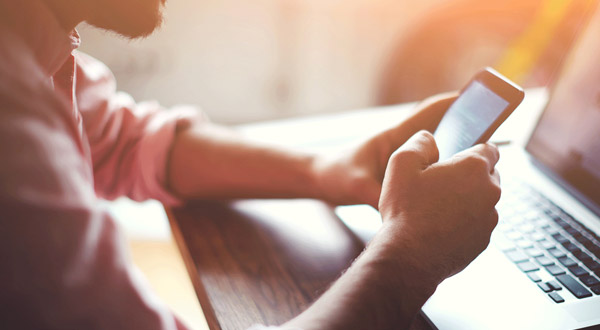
x=130, y=142
x=64, y=262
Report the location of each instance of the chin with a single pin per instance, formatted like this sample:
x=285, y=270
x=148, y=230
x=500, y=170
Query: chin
x=129, y=18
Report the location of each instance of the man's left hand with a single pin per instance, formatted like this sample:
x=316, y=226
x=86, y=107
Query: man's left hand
x=356, y=176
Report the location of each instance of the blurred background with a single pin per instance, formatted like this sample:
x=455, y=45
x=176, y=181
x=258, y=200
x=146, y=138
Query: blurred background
x=245, y=61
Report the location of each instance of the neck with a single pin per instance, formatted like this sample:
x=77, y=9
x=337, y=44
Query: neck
x=68, y=12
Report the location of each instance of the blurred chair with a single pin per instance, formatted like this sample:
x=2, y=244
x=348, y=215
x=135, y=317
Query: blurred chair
x=455, y=40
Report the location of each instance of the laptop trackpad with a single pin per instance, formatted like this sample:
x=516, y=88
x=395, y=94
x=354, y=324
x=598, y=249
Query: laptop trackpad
x=585, y=312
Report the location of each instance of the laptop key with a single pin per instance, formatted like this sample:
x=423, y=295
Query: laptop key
x=545, y=287
x=544, y=261
x=513, y=235
x=567, y=262
x=572, y=285
x=558, y=220
x=591, y=264
x=578, y=271
x=546, y=244
x=524, y=243
x=572, y=231
x=537, y=236
x=555, y=270
x=581, y=255
x=516, y=256
x=596, y=251
x=550, y=230
x=526, y=228
x=589, y=280
x=590, y=245
x=554, y=285
x=576, y=236
x=569, y=246
x=556, y=297
x=556, y=253
x=595, y=289
x=527, y=266
x=565, y=216
x=534, y=252
x=540, y=222
x=534, y=277
x=584, y=240
x=560, y=238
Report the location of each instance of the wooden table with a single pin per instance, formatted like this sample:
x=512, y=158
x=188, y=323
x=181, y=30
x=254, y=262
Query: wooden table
x=265, y=261
x=262, y=261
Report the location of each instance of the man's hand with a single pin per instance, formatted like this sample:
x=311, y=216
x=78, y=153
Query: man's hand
x=211, y=162
x=443, y=213
x=437, y=218
x=356, y=177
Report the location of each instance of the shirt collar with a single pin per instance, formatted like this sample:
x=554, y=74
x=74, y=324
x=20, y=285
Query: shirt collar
x=36, y=24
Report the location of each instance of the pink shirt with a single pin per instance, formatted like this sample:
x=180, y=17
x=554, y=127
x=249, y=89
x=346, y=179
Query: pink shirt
x=66, y=139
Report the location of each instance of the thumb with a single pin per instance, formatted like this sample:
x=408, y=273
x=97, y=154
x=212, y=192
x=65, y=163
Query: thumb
x=406, y=164
x=427, y=116
x=417, y=153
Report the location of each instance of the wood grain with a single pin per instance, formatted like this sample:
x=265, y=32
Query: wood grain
x=260, y=261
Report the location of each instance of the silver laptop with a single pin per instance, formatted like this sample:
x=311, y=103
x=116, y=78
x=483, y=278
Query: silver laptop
x=542, y=268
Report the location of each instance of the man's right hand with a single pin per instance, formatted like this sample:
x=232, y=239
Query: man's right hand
x=440, y=214
x=437, y=218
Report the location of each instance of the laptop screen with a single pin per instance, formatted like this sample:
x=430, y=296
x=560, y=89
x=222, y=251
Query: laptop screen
x=567, y=138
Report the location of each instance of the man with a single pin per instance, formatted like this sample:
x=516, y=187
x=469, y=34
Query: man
x=67, y=138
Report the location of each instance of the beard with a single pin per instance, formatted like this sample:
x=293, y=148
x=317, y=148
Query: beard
x=129, y=18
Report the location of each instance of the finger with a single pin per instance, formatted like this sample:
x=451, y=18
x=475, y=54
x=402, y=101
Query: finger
x=418, y=152
x=492, y=220
x=429, y=113
x=496, y=177
x=489, y=152
x=426, y=116
x=488, y=224
x=369, y=192
x=496, y=190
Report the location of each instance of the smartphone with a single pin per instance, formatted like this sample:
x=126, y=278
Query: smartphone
x=482, y=105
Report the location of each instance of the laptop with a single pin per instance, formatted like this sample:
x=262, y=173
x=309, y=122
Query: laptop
x=542, y=267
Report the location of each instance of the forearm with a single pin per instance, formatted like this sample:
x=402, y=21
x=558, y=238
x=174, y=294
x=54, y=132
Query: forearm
x=383, y=289
x=208, y=161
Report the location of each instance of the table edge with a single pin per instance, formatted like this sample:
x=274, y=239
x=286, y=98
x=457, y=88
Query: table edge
x=207, y=308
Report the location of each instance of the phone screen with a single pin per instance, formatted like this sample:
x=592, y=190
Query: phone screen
x=468, y=118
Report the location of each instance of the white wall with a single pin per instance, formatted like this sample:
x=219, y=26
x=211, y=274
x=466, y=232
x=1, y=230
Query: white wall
x=254, y=60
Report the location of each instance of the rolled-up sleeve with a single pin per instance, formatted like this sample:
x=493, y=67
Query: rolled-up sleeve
x=64, y=262
x=130, y=142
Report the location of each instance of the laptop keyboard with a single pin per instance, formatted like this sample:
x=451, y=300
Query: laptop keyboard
x=549, y=246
